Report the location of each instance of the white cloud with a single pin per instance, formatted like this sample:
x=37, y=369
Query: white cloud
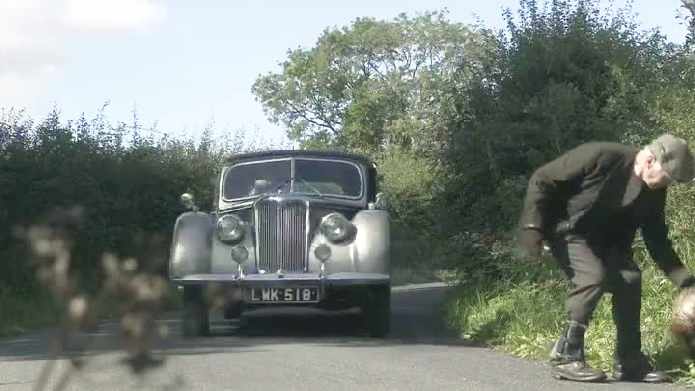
x=33, y=35
x=113, y=14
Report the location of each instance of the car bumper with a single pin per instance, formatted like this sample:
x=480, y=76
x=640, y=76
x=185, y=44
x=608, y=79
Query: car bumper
x=275, y=280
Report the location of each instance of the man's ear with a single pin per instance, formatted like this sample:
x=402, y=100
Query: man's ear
x=650, y=160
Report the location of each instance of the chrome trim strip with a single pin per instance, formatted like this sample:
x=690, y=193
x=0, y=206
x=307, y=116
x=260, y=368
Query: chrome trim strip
x=307, y=229
x=258, y=280
x=256, y=229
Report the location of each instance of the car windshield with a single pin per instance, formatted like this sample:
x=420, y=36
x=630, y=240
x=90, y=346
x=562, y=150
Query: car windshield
x=317, y=177
x=327, y=178
x=246, y=180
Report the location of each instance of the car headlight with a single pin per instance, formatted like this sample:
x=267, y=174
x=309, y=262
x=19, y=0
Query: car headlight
x=336, y=228
x=230, y=228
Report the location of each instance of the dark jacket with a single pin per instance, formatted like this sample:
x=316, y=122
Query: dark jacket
x=592, y=191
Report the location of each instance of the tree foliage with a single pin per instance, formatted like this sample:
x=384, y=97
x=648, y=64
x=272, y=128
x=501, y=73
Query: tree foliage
x=124, y=179
x=372, y=84
x=459, y=116
x=564, y=73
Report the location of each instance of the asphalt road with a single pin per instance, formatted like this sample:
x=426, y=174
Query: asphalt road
x=291, y=350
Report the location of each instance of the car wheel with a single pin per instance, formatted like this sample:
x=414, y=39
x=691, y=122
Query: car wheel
x=377, y=311
x=195, y=312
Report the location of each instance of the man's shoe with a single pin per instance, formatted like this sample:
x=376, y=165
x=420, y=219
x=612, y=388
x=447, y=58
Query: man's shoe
x=567, y=357
x=577, y=371
x=638, y=369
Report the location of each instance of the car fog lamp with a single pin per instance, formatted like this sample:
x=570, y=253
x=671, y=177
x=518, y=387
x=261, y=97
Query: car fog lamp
x=230, y=229
x=337, y=228
x=322, y=252
x=240, y=254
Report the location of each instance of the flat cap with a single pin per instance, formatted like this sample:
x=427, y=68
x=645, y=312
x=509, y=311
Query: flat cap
x=675, y=157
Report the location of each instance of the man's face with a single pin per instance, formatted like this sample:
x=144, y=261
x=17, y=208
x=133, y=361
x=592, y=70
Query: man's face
x=655, y=176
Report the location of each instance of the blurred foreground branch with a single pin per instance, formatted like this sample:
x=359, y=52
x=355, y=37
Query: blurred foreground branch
x=138, y=295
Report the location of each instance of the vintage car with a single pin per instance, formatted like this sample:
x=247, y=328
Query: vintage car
x=295, y=228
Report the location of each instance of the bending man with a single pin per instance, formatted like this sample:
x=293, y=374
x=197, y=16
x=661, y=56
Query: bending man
x=587, y=205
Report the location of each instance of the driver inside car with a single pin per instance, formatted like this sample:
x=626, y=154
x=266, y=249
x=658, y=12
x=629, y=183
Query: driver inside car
x=260, y=186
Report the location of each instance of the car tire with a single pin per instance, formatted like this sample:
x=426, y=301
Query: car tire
x=196, y=321
x=377, y=311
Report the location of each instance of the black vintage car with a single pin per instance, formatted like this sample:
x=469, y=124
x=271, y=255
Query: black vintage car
x=290, y=228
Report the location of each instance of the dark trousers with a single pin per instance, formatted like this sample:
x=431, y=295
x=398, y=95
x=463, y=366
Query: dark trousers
x=595, y=268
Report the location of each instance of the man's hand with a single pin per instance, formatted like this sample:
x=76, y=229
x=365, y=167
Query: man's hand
x=531, y=242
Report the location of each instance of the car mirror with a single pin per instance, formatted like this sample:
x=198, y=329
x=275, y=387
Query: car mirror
x=380, y=202
x=188, y=201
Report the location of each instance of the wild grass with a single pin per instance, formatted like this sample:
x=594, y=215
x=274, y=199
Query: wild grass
x=402, y=275
x=521, y=311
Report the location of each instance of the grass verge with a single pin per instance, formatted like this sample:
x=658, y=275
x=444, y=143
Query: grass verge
x=403, y=275
x=523, y=314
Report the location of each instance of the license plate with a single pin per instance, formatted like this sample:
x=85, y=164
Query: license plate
x=284, y=295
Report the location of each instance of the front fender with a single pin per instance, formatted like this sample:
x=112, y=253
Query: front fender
x=191, y=245
x=369, y=252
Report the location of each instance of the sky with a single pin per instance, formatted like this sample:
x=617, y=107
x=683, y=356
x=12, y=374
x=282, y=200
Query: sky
x=184, y=65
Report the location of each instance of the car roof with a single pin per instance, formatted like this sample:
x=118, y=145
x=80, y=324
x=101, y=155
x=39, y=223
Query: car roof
x=297, y=153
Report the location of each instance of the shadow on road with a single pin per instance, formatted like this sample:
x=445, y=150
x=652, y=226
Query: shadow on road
x=416, y=319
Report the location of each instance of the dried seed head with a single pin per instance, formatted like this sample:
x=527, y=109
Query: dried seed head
x=163, y=331
x=110, y=264
x=77, y=309
x=130, y=265
x=43, y=247
x=133, y=325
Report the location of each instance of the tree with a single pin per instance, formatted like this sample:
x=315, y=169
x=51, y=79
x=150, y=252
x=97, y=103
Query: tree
x=373, y=83
x=565, y=73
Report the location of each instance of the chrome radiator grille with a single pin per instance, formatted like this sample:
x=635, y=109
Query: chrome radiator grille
x=281, y=235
